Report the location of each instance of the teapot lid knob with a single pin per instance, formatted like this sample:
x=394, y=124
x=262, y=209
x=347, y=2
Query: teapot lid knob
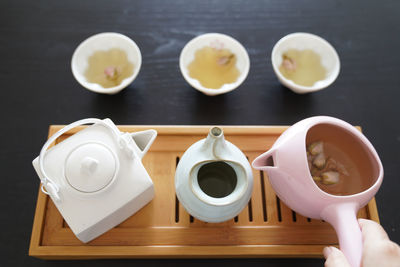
x=90, y=167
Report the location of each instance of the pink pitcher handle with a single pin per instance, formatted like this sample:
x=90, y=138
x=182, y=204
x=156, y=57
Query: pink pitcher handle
x=343, y=217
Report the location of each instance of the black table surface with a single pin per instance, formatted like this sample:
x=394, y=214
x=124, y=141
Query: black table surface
x=37, y=39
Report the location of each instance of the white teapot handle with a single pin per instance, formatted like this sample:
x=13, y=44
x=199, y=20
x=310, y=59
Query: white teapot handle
x=49, y=187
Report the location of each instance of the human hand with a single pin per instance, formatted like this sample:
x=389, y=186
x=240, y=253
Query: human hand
x=378, y=250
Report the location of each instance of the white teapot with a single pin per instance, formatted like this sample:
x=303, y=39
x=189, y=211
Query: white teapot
x=213, y=179
x=95, y=177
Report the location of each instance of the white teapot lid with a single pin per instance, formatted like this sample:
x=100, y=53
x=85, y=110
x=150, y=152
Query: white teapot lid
x=90, y=167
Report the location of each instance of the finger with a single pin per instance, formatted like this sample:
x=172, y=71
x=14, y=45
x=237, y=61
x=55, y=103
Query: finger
x=335, y=258
x=372, y=231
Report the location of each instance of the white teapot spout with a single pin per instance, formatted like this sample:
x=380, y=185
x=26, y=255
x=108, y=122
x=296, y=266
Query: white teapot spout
x=143, y=141
x=215, y=143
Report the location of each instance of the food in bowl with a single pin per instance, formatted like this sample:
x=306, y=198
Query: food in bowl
x=303, y=67
x=108, y=68
x=213, y=67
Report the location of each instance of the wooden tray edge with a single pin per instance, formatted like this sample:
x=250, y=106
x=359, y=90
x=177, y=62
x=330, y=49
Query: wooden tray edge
x=191, y=129
x=38, y=221
x=164, y=252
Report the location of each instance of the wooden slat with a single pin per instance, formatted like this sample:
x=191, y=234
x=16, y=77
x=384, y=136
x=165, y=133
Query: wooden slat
x=272, y=211
x=243, y=217
x=286, y=213
x=154, y=232
x=256, y=198
x=301, y=219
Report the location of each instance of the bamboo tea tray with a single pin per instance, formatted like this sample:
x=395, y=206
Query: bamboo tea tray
x=163, y=228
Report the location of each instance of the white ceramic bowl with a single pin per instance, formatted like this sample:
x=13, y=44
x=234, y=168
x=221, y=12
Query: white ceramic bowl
x=329, y=59
x=105, y=41
x=210, y=39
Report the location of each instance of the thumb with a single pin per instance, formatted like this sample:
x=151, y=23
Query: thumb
x=335, y=258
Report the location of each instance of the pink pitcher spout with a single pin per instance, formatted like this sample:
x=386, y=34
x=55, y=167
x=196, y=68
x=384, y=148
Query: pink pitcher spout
x=265, y=161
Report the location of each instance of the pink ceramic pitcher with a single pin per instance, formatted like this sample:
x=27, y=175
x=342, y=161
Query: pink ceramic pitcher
x=289, y=174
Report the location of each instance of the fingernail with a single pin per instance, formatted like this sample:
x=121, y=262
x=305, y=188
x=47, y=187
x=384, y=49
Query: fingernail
x=327, y=251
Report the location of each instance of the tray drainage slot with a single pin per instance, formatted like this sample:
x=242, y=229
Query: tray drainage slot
x=278, y=206
x=263, y=197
